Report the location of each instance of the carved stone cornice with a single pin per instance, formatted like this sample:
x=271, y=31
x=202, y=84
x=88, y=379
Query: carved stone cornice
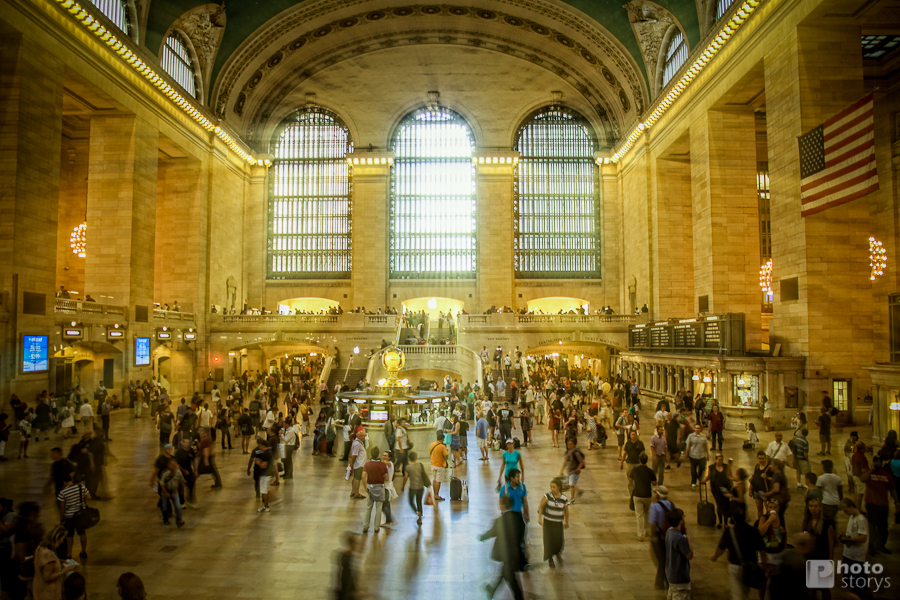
x=649, y=21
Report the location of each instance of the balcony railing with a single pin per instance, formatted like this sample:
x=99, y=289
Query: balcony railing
x=79, y=307
x=172, y=315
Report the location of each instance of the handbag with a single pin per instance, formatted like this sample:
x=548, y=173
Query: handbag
x=87, y=517
x=752, y=574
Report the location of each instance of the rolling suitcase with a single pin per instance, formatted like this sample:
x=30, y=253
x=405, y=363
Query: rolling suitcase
x=706, y=512
x=455, y=489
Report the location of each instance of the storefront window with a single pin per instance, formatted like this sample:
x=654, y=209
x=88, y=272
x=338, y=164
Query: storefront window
x=746, y=393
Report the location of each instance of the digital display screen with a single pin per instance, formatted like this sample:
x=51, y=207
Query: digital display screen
x=163, y=335
x=72, y=333
x=34, y=353
x=378, y=415
x=190, y=336
x=115, y=333
x=141, y=351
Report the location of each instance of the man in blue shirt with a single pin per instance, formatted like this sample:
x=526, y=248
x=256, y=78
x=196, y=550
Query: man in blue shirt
x=512, y=461
x=678, y=556
x=481, y=434
x=515, y=491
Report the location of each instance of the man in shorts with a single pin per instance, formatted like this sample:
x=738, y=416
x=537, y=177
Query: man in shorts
x=263, y=464
x=439, y=453
x=357, y=461
x=572, y=466
x=481, y=434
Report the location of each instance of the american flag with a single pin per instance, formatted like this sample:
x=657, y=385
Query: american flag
x=837, y=159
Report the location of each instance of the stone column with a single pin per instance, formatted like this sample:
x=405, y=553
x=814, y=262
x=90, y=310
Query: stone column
x=813, y=74
x=30, y=138
x=371, y=223
x=121, y=210
x=673, y=261
x=726, y=216
x=495, y=233
x=255, y=239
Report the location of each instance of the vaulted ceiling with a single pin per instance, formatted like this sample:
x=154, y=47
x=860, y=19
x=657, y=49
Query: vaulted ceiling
x=256, y=55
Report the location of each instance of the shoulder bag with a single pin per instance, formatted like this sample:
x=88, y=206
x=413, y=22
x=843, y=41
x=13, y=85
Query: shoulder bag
x=87, y=517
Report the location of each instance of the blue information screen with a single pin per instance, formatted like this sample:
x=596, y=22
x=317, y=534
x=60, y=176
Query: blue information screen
x=34, y=353
x=141, y=351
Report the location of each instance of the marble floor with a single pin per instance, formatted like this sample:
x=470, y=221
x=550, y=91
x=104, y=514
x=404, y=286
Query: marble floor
x=227, y=550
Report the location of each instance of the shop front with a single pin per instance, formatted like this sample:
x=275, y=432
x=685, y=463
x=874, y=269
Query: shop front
x=885, y=399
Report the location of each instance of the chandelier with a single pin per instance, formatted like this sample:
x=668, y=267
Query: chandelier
x=765, y=278
x=77, y=240
x=877, y=258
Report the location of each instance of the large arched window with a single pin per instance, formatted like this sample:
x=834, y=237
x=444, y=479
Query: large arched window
x=557, y=220
x=309, y=198
x=176, y=61
x=675, y=55
x=432, y=227
x=116, y=11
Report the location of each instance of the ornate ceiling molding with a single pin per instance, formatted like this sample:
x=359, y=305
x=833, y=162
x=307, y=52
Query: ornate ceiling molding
x=251, y=63
x=264, y=107
x=650, y=21
x=204, y=25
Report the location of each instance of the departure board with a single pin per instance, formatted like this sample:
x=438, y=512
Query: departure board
x=711, y=334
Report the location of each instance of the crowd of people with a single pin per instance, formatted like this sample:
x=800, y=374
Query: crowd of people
x=270, y=412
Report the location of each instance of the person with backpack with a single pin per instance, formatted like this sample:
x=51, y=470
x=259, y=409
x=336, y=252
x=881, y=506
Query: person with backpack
x=659, y=525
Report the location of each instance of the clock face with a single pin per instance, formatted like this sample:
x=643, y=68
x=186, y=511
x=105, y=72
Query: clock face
x=393, y=360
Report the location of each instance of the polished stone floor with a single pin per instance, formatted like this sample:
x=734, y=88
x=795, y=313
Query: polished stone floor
x=227, y=550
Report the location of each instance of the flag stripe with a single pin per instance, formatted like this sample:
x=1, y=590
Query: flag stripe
x=817, y=208
x=840, y=185
x=832, y=133
x=847, y=141
x=846, y=170
x=855, y=152
x=836, y=119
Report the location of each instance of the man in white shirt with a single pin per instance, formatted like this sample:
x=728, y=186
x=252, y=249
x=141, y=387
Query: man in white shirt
x=778, y=450
x=291, y=439
x=269, y=420
x=440, y=422
x=832, y=490
x=501, y=388
x=485, y=406
x=205, y=416
x=87, y=415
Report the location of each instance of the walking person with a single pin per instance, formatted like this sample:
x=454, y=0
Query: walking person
x=720, y=478
x=438, y=452
x=223, y=424
x=572, y=466
x=641, y=479
x=290, y=437
x=245, y=426
x=262, y=462
x=105, y=409
x=206, y=463
x=508, y=549
x=374, y=475
x=743, y=543
x=697, y=448
x=71, y=499
x=481, y=436
x=622, y=424
x=171, y=485
x=418, y=480
x=165, y=423
x=401, y=446
x=716, y=426
x=659, y=525
x=632, y=456
x=659, y=445
x=553, y=517
x=679, y=553
x=357, y=452
x=390, y=492
x=512, y=460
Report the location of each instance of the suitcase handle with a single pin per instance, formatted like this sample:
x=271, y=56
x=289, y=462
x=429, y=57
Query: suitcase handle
x=704, y=493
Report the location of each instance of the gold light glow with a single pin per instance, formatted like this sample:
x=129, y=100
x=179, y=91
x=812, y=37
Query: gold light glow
x=877, y=258
x=77, y=240
x=765, y=278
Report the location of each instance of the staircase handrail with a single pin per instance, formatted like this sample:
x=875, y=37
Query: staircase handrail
x=326, y=371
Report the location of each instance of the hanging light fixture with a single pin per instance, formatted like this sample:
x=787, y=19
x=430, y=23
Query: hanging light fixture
x=765, y=277
x=77, y=240
x=707, y=379
x=695, y=377
x=877, y=258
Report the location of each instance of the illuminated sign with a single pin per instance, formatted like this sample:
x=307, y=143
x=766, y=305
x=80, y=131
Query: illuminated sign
x=163, y=335
x=141, y=351
x=378, y=415
x=188, y=337
x=71, y=333
x=34, y=353
x=115, y=334
x=895, y=405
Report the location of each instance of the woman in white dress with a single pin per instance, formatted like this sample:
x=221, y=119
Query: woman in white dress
x=767, y=413
x=68, y=419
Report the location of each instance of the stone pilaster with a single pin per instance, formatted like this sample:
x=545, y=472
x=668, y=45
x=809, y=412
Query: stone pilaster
x=495, y=270
x=810, y=76
x=255, y=240
x=371, y=225
x=726, y=216
x=673, y=238
x=121, y=210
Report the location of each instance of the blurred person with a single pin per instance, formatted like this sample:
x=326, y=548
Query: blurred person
x=171, y=484
x=346, y=588
x=788, y=580
x=74, y=587
x=418, y=481
x=206, y=460
x=743, y=544
x=508, y=548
